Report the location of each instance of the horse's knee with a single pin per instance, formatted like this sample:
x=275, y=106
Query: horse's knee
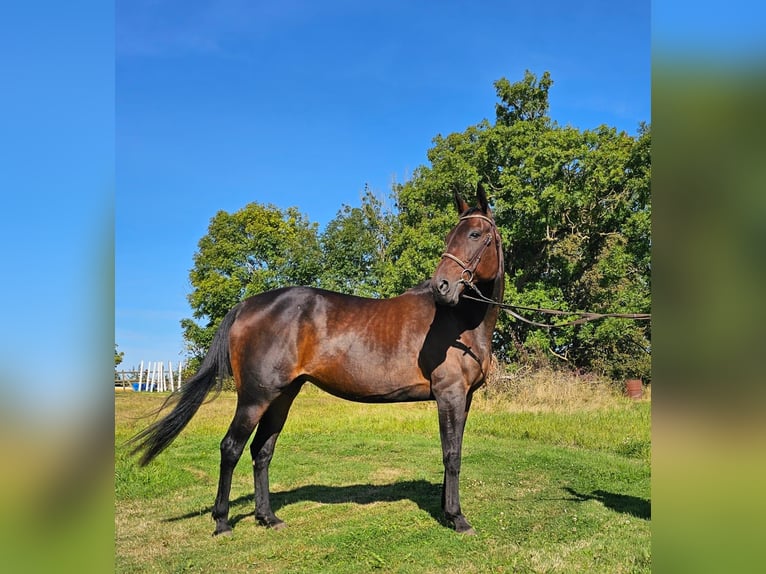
x=451, y=462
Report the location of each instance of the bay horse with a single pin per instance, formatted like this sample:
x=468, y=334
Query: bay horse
x=428, y=343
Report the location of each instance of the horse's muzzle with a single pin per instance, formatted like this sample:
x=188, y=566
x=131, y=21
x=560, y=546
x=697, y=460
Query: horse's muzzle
x=446, y=292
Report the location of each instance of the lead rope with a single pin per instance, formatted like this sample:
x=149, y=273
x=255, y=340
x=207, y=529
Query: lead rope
x=584, y=317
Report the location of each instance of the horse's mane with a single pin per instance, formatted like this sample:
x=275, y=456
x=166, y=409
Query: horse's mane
x=424, y=285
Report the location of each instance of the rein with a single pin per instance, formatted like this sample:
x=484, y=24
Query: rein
x=584, y=317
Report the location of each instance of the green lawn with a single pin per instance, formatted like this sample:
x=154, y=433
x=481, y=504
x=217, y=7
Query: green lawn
x=360, y=486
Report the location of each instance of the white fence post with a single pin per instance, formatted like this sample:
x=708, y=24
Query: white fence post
x=162, y=377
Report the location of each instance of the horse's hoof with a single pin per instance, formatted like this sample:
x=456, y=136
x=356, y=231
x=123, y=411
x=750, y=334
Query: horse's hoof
x=272, y=523
x=463, y=527
x=225, y=532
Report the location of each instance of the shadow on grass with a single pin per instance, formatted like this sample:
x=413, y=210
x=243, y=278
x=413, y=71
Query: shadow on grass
x=638, y=507
x=423, y=493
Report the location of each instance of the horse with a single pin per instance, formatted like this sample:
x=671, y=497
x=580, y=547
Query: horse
x=429, y=343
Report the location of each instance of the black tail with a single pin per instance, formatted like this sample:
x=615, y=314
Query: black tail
x=215, y=367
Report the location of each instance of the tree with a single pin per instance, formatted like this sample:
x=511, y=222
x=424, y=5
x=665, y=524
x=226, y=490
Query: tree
x=118, y=356
x=255, y=249
x=354, y=247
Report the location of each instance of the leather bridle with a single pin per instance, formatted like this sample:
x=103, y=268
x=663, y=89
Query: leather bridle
x=469, y=267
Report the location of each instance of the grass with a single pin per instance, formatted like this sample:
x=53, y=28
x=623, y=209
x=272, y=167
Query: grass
x=548, y=490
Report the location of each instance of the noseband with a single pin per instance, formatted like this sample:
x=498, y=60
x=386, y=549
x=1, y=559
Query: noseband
x=469, y=267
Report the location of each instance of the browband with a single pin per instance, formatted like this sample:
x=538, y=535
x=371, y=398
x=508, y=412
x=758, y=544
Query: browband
x=478, y=216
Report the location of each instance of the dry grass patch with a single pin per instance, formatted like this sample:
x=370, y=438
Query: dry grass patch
x=547, y=390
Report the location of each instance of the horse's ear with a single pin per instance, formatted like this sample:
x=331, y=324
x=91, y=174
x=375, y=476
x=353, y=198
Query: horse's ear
x=460, y=203
x=481, y=196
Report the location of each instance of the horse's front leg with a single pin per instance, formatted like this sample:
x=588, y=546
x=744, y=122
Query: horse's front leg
x=453, y=412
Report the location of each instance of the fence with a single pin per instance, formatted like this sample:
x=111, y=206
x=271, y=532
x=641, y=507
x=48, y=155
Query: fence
x=155, y=377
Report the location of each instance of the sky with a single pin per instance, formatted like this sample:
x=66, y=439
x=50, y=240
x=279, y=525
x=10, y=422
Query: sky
x=303, y=103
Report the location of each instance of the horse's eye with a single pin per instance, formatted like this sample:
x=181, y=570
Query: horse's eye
x=474, y=235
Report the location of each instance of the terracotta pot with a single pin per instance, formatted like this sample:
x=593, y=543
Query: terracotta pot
x=634, y=388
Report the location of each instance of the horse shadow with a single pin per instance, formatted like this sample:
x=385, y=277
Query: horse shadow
x=425, y=494
x=633, y=505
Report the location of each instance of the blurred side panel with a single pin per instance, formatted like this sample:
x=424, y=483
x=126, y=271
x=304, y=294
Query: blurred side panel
x=709, y=280
x=56, y=299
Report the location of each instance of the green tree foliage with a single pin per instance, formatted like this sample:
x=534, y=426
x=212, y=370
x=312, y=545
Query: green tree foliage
x=523, y=101
x=573, y=208
x=355, y=248
x=257, y=248
x=118, y=356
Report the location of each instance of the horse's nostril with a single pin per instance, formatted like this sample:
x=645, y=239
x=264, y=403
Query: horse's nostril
x=443, y=286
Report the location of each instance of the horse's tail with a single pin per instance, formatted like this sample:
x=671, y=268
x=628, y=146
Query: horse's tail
x=215, y=367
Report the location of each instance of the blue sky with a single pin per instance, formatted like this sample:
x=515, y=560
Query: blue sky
x=302, y=103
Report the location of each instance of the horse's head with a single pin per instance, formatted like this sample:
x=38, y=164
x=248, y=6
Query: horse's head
x=473, y=253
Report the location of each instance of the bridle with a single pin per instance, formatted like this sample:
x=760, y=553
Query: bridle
x=469, y=267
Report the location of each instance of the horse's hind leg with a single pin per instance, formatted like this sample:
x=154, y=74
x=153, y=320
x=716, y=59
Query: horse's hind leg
x=232, y=445
x=262, y=451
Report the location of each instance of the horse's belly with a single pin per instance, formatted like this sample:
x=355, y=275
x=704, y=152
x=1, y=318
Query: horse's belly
x=372, y=383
